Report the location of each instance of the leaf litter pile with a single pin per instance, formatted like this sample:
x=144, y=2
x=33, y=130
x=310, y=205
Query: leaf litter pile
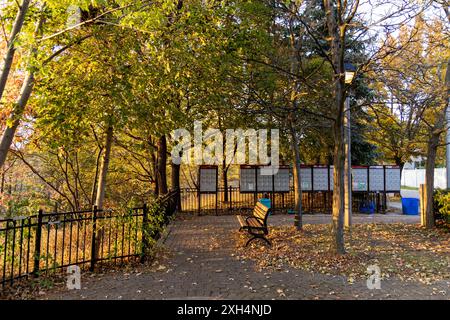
x=407, y=252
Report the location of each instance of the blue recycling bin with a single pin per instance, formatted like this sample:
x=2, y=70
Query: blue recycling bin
x=367, y=207
x=265, y=202
x=410, y=206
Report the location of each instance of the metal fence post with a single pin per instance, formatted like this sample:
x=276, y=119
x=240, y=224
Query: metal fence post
x=144, y=233
x=230, y=199
x=199, y=200
x=178, y=200
x=37, y=244
x=94, y=231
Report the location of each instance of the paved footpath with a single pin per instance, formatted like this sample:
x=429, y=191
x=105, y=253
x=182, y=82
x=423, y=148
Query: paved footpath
x=201, y=264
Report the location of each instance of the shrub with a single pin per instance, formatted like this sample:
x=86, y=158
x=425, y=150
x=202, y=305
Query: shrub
x=442, y=205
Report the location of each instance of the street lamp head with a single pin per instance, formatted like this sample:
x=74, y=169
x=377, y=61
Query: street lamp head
x=350, y=71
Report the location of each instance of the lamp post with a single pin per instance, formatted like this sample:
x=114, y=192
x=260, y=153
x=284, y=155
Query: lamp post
x=350, y=71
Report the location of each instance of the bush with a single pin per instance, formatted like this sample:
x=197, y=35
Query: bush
x=442, y=205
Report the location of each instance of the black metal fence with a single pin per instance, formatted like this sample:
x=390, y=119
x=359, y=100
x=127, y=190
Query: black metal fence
x=231, y=200
x=48, y=242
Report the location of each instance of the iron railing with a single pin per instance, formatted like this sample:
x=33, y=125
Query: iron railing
x=231, y=200
x=47, y=242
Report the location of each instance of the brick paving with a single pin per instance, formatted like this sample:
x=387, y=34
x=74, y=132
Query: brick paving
x=201, y=264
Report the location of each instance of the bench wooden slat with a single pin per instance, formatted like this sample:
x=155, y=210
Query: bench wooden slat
x=254, y=223
x=259, y=213
x=261, y=206
x=242, y=221
x=250, y=222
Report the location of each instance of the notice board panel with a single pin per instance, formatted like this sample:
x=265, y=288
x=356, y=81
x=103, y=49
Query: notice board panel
x=376, y=178
x=320, y=178
x=306, y=178
x=208, y=179
x=265, y=182
x=283, y=180
x=252, y=179
x=247, y=179
x=393, y=182
x=359, y=179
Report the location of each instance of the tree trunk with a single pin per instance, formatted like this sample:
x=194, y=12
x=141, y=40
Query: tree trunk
x=24, y=96
x=337, y=32
x=101, y=188
x=399, y=162
x=225, y=181
x=161, y=166
x=429, y=181
x=297, y=179
x=338, y=188
x=294, y=88
x=155, y=171
x=9, y=133
x=339, y=157
x=94, y=183
x=433, y=143
x=224, y=170
x=176, y=182
x=9, y=56
x=2, y=184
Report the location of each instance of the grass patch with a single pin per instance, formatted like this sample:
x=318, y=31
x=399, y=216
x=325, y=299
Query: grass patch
x=409, y=188
x=407, y=252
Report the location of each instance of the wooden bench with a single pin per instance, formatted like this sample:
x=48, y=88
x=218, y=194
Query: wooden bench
x=256, y=224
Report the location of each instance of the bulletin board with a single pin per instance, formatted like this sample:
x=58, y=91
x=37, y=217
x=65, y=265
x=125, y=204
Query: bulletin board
x=252, y=180
x=208, y=179
x=360, y=178
x=393, y=182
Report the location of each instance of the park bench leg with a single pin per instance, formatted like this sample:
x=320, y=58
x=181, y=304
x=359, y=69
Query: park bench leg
x=258, y=237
